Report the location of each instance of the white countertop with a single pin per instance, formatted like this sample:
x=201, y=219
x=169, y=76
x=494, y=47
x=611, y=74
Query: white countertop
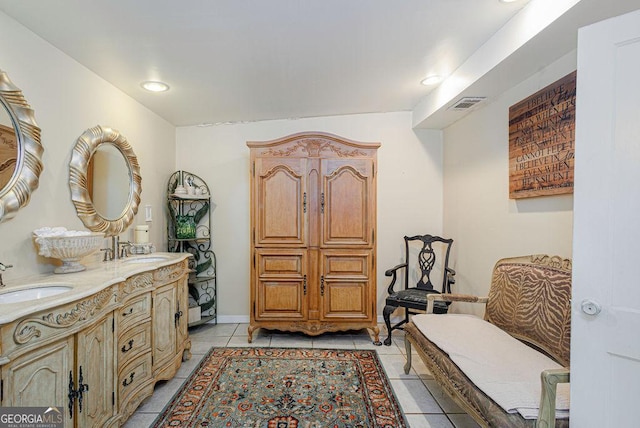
x=97, y=276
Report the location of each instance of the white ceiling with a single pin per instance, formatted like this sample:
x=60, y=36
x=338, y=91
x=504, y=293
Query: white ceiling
x=249, y=60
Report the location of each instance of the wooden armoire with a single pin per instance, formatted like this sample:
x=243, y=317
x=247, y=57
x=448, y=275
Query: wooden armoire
x=313, y=234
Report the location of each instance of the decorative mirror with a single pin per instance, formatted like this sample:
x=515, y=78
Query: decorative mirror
x=20, y=149
x=105, y=182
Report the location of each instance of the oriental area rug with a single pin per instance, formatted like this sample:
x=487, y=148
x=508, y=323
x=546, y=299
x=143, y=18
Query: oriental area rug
x=285, y=388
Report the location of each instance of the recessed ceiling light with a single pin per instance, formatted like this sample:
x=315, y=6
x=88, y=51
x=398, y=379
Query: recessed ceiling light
x=155, y=86
x=431, y=80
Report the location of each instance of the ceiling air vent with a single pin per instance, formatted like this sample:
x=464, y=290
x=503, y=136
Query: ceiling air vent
x=466, y=103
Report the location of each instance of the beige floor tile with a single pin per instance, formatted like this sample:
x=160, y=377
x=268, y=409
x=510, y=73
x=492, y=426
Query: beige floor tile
x=206, y=331
x=140, y=420
x=243, y=342
x=203, y=346
x=284, y=341
x=189, y=366
x=443, y=399
x=414, y=397
x=419, y=368
x=382, y=350
x=333, y=341
x=162, y=393
x=428, y=421
x=394, y=367
x=463, y=421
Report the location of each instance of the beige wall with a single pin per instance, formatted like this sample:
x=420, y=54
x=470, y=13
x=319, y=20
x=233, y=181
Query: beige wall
x=409, y=188
x=67, y=99
x=467, y=201
x=478, y=213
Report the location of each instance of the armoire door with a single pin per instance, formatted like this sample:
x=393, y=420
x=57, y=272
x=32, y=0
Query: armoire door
x=347, y=203
x=346, y=290
x=280, y=202
x=282, y=284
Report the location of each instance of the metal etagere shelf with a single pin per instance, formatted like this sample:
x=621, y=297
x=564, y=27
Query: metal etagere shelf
x=189, y=230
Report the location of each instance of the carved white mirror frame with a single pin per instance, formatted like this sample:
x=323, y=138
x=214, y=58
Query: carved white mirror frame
x=25, y=179
x=84, y=149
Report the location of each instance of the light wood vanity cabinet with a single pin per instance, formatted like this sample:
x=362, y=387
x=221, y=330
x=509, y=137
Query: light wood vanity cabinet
x=98, y=358
x=64, y=357
x=313, y=225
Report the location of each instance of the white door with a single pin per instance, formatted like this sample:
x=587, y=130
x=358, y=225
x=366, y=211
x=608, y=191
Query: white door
x=605, y=346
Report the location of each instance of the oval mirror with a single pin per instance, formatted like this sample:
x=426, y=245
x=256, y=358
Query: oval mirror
x=108, y=179
x=105, y=182
x=8, y=148
x=20, y=149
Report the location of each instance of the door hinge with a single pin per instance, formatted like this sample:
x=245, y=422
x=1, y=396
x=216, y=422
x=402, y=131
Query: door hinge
x=254, y=260
x=304, y=202
x=113, y=325
x=373, y=236
x=322, y=285
x=322, y=203
x=253, y=169
x=304, y=285
x=113, y=398
x=254, y=236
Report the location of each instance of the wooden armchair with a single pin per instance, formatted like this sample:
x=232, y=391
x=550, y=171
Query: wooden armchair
x=414, y=298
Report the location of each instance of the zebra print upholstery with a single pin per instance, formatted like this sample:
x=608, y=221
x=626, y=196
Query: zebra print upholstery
x=530, y=298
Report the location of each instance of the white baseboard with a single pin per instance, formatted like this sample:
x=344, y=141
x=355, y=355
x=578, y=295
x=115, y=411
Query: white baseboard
x=244, y=319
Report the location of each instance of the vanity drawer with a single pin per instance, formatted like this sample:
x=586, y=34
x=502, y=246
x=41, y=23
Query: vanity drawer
x=133, y=376
x=135, y=310
x=134, y=342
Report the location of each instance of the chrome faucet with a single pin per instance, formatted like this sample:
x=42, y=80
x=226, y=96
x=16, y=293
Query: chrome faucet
x=118, y=249
x=3, y=267
x=108, y=254
x=123, y=248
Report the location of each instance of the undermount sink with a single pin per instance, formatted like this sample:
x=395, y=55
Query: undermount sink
x=147, y=259
x=34, y=293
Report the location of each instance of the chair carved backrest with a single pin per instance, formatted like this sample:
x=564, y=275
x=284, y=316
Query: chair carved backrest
x=427, y=257
x=516, y=304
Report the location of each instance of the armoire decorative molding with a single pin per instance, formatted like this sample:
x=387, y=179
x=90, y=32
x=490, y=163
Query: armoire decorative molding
x=313, y=234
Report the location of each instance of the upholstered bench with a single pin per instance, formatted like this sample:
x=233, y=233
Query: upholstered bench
x=510, y=369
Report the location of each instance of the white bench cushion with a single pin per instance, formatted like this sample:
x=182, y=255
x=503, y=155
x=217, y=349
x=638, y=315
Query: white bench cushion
x=501, y=366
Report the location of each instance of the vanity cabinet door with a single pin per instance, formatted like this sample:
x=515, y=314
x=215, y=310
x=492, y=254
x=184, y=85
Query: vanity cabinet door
x=95, y=361
x=182, y=333
x=41, y=378
x=165, y=308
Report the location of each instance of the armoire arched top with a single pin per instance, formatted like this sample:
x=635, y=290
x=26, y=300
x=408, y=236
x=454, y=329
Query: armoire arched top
x=314, y=145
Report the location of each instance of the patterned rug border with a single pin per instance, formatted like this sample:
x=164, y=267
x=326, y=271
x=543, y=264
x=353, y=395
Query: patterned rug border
x=300, y=353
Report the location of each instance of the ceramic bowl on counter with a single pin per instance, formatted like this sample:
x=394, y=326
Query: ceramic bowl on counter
x=69, y=247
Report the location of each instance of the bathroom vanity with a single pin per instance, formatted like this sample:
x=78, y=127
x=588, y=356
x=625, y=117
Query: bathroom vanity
x=96, y=349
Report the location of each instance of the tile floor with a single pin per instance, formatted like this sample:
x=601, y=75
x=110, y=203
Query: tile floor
x=423, y=402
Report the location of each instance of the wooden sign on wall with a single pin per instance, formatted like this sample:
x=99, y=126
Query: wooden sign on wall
x=542, y=141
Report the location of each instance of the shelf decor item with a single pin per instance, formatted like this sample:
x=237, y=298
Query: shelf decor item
x=189, y=231
x=185, y=227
